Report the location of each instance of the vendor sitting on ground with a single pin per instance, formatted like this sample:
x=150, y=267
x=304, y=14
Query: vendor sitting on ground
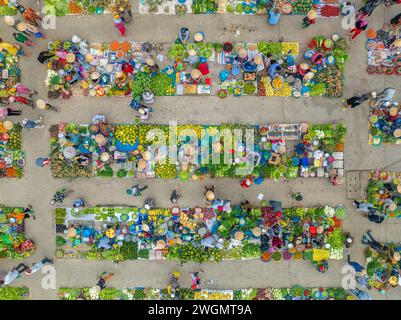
x=82, y=160
x=274, y=69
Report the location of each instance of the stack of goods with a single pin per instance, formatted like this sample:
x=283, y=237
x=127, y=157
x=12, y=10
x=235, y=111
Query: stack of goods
x=295, y=293
x=10, y=71
x=13, y=242
x=11, y=156
x=384, y=193
x=14, y=293
x=142, y=151
x=313, y=234
x=384, y=50
x=7, y=8
x=83, y=7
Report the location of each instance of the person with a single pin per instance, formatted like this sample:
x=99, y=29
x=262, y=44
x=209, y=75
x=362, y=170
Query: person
x=125, y=14
x=24, y=90
x=276, y=205
x=274, y=68
x=149, y=204
x=296, y=196
x=105, y=276
x=22, y=38
x=38, y=265
x=10, y=48
x=22, y=100
x=396, y=21
x=373, y=216
x=349, y=240
x=29, y=213
x=309, y=19
x=173, y=285
x=174, y=196
x=274, y=16
x=387, y=94
x=7, y=112
x=136, y=190
x=79, y=203
x=31, y=16
x=119, y=24
x=367, y=239
x=356, y=100
x=347, y=8
x=195, y=278
x=369, y=7
x=32, y=124
x=183, y=35
x=357, y=267
x=360, y=25
x=144, y=113
x=209, y=193
x=44, y=56
x=362, y=206
x=60, y=195
x=15, y=273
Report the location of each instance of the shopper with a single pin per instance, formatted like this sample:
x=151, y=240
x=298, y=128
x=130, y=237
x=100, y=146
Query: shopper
x=149, y=204
x=175, y=196
x=21, y=100
x=39, y=265
x=356, y=100
x=32, y=124
x=104, y=277
x=362, y=206
x=31, y=16
x=136, y=190
x=7, y=112
x=24, y=39
x=126, y=15
x=360, y=25
x=24, y=90
x=367, y=239
x=373, y=216
x=29, y=213
x=119, y=24
x=357, y=267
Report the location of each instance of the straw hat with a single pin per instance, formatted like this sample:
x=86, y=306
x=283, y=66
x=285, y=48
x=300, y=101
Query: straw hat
x=178, y=241
x=309, y=76
x=239, y=235
x=160, y=244
x=198, y=36
x=109, y=68
x=145, y=227
x=396, y=256
x=100, y=139
x=72, y=232
x=210, y=195
x=8, y=125
x=21, y=26
x=192, y=52
x=397, y=133
x=142, y=164
x=196, y=74
x=104, y=157
x=217, y=147
x=70, y=57
x=150, y=62
x=8, y=20
x=119, y=74
x=89, y=58
x=146, y=155
x=257, y=231
x=392, y=206
x=258, y=59
x=242, y=53
x=95, y=75
x=393, y=111
x=398, y=187
x=304, y=66
x=312, y=14
x=41, y=104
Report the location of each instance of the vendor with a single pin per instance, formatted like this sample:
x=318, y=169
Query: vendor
x=82, y=160
x=274, y=68
x=309, y=19
x=274, y=16
x=128, y=69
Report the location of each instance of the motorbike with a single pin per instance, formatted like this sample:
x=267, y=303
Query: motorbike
x=60, y=195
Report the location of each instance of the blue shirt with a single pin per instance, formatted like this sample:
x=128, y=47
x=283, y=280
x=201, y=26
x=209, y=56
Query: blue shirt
x=273, y=17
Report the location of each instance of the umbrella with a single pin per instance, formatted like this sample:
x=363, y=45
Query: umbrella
x=69, y=152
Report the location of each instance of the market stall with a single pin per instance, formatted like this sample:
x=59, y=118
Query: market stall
x=384, y=50
x=10, y=71
x=325, y=8
x=149, y=151
x=14, y=293
x=7, y=9
x=294, y=293
x=384, y=193
x=13, y=241
x=383, y=267
x=114, y=69
x=384, y=122
x=12, y=159
x=216, y=233
x=84, y=7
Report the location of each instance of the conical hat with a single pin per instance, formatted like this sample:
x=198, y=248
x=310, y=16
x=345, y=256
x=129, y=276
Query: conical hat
x=397, y=256
x=256, y=231
x=150, y=62
x=239, y=235
x=89, y=58
x=41, y=104
x=392, y=206
x=142, y=164
x=8, y=125
x=312, y=14
x=21, y=26
x=70, y=57
x=104, y=157
x=95, y=75
x=145, y=227
x=195, y=74
x=8, y=20
x=393, y=111
x=161, y=244
x=146, y=155
x=397, y=133
x=198, y=36
x=242, y=53
x=210, y=195
x=397, y=43
x=258, y=59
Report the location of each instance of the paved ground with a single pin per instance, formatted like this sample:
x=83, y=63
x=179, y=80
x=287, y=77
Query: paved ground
x=38, y=186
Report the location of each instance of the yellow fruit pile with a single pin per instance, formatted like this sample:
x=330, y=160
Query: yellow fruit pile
x=2, y=129
x=294, y=46
x=269, y=91
x=285, y=91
